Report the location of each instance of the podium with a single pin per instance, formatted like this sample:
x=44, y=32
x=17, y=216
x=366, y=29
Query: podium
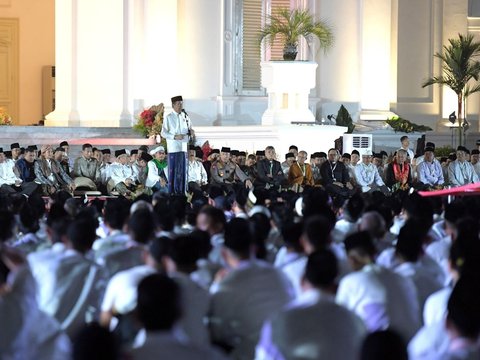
x=288, y=85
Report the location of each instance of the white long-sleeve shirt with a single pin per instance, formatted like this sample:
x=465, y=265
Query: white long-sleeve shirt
x=333, y=331
x=153, y=175
x=197, y=173
x=366, y=175
x=119, y=173
x=461, y=173
x=176, y=124
x=382, y=299
x=7, y=175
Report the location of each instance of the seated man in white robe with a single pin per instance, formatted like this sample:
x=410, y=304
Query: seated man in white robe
x=380, y=297
x=244, y=297
x=115, y=215
x=163, y=256
x=129, y=251
x=122, y=178
x=70, y=285
x=460, y=171
x=158, y=310
x=463, y=320
x=333, y=331
x=157, y=176
x=432, y=339
x=351, y=212
x=408, y=251
x=181, y=260
x=291, y=258
x=367, y=176
x=26, y=332
x=316, y=236
x=429, y=171
x=105, y=165
x=196, y=174
x=439, y=250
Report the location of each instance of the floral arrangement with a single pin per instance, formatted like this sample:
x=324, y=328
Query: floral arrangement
x=403, y=125
x=5, y=119
x=150, y=121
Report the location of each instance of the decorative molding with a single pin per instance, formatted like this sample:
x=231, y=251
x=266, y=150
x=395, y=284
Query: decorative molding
x=5, y=3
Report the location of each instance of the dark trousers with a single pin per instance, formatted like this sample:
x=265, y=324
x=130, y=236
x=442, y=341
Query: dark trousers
x=336, y=191
x=177, y=173
x=25, y=188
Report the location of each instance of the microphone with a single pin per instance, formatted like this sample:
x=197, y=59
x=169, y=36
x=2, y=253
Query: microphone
x=188, y=122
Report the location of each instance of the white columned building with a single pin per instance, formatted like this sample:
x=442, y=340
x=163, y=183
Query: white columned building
x=115, y=57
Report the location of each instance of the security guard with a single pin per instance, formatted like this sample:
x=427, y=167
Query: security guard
x=224, y=172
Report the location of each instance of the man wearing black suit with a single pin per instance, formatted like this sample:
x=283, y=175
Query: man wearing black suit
x=335, y=176
x=269, y=171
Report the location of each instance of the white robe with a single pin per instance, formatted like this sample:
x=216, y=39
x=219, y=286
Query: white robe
x=71, y=287
x=165, y=345
x=425, y=283
x=382, y=299
x=244, y=299
x=293, y=266
x=313, y=327
x=176, y=124
x=25, y=331
x=120, y=173
x=153, y=175
x=461, y=173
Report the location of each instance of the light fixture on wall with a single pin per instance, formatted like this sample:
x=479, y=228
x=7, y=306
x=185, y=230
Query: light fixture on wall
x=452, y=117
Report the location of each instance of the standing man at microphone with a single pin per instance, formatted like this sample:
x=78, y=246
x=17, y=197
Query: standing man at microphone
x=176, y=128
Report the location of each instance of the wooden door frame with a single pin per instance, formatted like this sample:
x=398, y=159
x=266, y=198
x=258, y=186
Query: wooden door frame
x=14, y=24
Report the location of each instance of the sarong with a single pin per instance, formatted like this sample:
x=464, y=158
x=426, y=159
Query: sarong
x=177, y=173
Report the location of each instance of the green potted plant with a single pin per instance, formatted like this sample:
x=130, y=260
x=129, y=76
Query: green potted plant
x=459, y=67
x=291, y=25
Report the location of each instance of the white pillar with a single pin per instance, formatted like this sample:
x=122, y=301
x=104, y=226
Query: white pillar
x=113, y=57
x=376, y=54
x=339, y=78
x=358, y=68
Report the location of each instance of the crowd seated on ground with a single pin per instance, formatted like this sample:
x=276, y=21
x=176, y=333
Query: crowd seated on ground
x=132, y=172
x=256, y=264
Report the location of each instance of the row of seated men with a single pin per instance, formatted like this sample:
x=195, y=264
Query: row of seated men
x=143, y=171
x=285, y=277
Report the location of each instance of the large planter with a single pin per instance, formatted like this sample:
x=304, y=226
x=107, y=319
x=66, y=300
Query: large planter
x=288, y=85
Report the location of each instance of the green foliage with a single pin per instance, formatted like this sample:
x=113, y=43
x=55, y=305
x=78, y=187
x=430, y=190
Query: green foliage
x=344, y=119
x=291, y=25
x=443, y=151
x=459, y=67
x=399, y=124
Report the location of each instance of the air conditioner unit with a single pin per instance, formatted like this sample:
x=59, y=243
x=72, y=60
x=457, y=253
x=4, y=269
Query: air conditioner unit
x=48, y=89
x=358, y=142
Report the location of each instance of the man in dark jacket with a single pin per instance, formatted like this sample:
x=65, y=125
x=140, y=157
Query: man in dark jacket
x=269, y=171
x=335, y=176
